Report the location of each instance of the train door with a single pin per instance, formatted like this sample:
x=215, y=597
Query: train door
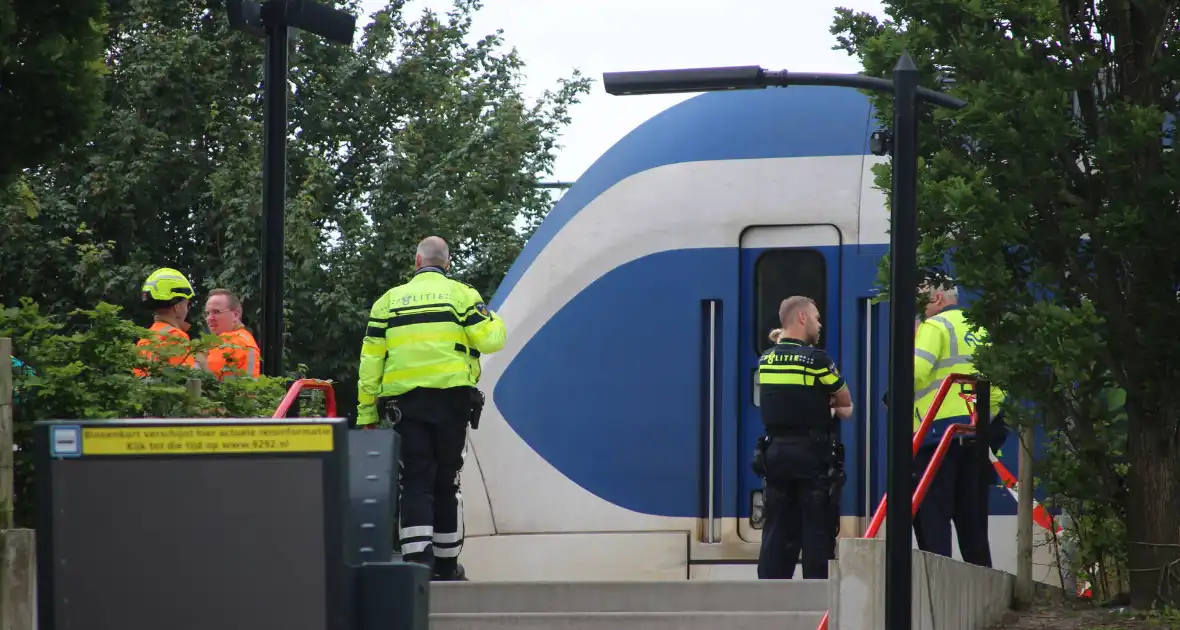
x=776, y=263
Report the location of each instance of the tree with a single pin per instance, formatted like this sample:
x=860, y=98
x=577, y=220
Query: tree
x=51, y=70
x=1053, y=196
x=414, y=131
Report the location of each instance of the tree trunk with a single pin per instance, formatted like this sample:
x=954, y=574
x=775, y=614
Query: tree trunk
x=1153, y=515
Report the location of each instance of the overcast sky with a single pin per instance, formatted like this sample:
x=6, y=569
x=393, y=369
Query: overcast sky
x=556, y=36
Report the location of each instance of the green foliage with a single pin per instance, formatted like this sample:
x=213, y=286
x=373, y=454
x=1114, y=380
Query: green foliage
x=51, y=71
x=415, y=130
x=420, y=128
x=84, y=367
x=1054, y=197
x=1097, y=509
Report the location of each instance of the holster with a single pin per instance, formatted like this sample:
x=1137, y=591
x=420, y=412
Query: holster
x=836, y=479
x=388, y=413
x=477, y=402
x=758, y=461
x=835, y=474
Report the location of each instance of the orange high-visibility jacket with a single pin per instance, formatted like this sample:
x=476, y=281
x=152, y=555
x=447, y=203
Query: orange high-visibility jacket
x=164, y=331
x=240, y=351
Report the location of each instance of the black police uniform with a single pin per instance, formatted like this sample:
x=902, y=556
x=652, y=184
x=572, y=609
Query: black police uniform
x=799, y=459
x=433, y=431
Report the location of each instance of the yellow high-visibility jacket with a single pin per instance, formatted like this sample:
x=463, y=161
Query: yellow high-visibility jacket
x=945, y=345
x=429, y=332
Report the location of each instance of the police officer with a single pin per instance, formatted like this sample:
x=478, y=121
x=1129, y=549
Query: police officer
x=799, y=386
x=944, y=345
x=420, y=365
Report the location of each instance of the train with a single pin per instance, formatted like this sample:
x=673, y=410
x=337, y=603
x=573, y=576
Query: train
x=622, y=413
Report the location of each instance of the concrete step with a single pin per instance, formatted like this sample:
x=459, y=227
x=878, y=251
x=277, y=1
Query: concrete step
x=679, y=596
x=627, y=621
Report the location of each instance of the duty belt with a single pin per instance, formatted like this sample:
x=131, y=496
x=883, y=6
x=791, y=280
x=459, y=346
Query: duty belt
x=818, y=435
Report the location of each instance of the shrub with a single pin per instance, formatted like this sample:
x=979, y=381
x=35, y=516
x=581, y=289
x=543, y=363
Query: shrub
x=82, y=368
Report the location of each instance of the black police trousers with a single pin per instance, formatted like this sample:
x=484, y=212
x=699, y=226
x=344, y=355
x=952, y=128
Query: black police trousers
x=433, y=432
x=953, y=496
x=798, y=510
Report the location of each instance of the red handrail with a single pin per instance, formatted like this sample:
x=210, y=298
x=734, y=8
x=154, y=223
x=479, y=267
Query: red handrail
x=308, y=383
x=919, y=437
x=935, y=461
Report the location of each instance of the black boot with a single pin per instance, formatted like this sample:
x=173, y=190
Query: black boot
x=449, y=574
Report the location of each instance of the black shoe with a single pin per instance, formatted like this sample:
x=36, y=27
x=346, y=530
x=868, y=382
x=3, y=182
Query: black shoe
x=458, y=574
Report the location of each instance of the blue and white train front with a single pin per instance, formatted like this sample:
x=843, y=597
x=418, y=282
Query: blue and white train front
x=621, y=414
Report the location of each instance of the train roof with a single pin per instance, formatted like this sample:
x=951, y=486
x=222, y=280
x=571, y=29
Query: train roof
x=799, y=121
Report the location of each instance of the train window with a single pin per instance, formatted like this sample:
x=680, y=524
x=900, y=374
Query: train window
x=779, y=274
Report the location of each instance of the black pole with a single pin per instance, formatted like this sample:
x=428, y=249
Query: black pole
x=272, y=20
x=983, y=449
x=274, y=185
x=903, y=289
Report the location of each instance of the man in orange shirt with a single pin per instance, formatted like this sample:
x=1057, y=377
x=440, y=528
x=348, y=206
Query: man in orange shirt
x=167, y=292
x=223, y=312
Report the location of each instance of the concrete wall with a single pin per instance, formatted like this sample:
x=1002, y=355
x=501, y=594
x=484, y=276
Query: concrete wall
x=18, y=580
x=1002, y=531
x=947, y=594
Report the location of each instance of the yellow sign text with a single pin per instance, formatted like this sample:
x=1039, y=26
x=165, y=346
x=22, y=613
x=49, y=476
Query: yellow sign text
x=191, y=440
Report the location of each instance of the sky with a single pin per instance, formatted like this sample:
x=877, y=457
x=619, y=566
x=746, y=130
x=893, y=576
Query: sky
x=555, y=36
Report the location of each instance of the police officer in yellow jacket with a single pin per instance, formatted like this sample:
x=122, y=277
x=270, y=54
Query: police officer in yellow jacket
x=944, y=345
x=799, y=386
x=420, y=361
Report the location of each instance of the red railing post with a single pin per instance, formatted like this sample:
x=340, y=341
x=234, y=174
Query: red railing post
x=308, y=383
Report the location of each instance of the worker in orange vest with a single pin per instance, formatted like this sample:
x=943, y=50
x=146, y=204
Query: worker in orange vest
x=167, y=292
x=223, y=312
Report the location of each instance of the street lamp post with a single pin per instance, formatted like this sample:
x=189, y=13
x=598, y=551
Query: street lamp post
x=903, y=268
x=272, y=20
